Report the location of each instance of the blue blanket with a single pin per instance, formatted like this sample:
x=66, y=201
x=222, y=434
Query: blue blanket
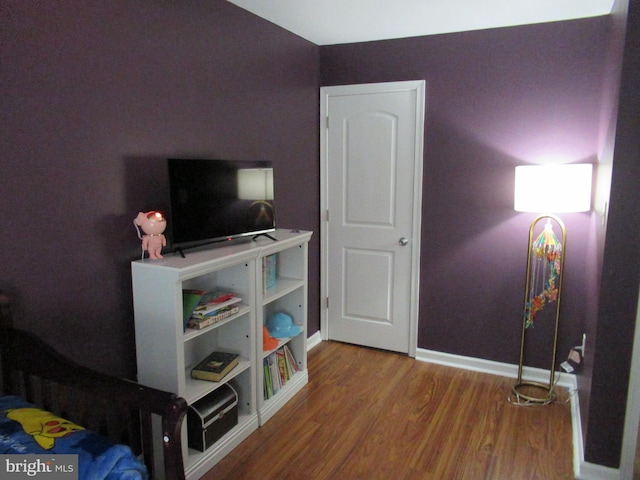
x=26, y=429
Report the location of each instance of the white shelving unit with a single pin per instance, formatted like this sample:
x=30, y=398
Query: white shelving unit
x=288, y=296
x=166, y=352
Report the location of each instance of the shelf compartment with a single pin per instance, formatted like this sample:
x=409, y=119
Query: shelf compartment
x=196, y=389
x=197, y=463
x=281, y=343
x=191, y=333
x=284, y=286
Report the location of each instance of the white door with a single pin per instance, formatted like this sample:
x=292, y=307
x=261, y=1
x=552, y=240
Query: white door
x=371, y=149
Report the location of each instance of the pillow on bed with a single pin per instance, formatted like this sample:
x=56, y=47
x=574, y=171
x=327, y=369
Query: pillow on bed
x=27, y=429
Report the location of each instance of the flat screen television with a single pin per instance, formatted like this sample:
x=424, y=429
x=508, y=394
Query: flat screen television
x=219, y=200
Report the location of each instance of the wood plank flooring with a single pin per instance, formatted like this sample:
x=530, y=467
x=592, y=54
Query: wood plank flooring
x=368, y=414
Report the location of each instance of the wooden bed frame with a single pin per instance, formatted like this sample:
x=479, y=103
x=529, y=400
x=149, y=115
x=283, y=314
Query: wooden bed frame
x=115, y=407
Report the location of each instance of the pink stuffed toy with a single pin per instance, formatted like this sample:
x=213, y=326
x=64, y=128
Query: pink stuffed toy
x=152, y=224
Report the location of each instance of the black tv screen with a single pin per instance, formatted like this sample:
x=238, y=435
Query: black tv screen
x=216, y=200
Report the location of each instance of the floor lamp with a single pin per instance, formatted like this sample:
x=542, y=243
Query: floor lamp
x=546, y=190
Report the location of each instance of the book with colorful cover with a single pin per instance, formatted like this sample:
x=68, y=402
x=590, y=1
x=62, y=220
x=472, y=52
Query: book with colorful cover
x=276, y=383
x=190, y=300
x=269, y=272
x=291, y=361
x=268, y=391
x=216, y=297
x=211, y=303
x=282, y=369
x=290, y=372
x=198, y=323
x=215, y=367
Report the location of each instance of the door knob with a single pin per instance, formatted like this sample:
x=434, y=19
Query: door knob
x=403, y=241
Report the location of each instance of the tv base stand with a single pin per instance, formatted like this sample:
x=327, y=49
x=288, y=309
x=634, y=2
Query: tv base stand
x=265, y=235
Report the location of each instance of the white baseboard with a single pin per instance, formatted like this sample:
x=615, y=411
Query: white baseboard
x=591, y=471
x=314, y=340
x=566, y=380
x=582, y=470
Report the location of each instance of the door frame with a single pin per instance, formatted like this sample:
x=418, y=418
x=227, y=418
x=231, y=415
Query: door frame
x=630, y=445
x=419, y=86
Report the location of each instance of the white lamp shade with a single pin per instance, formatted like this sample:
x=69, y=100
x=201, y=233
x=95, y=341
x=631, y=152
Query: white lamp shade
x=255, y=184
x=553, y=188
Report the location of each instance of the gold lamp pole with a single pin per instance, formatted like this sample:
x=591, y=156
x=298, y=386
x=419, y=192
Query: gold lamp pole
x=545, y=248
x=546, y=188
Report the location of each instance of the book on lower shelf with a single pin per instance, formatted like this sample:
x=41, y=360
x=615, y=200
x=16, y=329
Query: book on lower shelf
x=279, y=367
x=215, y=367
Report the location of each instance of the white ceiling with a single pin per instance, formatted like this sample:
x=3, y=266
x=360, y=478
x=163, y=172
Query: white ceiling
x=329, y=22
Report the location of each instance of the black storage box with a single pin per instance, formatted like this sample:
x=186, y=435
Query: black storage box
x=209, y=418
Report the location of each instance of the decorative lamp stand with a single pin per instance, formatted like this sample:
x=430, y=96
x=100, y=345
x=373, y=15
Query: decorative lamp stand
x=545, y=268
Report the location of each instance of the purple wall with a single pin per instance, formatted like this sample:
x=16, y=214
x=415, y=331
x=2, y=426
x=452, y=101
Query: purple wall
x=95, y=96
x=621, y=264
x=495, y=99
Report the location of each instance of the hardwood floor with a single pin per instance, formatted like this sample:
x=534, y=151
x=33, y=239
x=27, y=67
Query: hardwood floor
x=368, y=414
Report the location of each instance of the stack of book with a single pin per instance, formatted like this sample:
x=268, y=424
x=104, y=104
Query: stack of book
x=201, y=309
x=279, y=367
